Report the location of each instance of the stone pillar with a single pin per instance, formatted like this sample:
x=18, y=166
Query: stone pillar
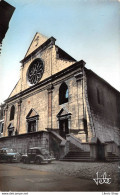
x=5, y=122
x=50, y=91
x=18, y=116
x=93, y=151
x=80, y=104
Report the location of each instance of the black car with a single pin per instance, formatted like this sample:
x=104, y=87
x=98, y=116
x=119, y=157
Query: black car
x=9, y=155
x=37, y=155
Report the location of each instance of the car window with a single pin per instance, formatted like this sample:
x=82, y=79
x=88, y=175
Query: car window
x=9, y=151
x=33, y=151
x=38, y=152
x=29, y=151
x=44, y=151
x=3, y=151
x=14, y=150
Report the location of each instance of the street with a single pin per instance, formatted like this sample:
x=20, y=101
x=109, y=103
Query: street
x=16, y=177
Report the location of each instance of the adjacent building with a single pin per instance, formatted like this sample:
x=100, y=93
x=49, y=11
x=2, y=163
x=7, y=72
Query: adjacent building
x=6, y=12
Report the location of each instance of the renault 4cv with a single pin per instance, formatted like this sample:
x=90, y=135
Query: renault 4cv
x=37, y=155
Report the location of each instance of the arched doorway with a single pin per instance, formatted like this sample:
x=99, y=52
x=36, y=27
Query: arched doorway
x=100, y=151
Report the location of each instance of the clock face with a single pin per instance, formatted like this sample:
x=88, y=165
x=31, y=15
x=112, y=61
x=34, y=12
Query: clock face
x=35, y=71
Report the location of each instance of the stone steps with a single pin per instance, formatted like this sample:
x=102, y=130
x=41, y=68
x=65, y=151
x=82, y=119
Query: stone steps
x=77, y=155
x=112, y=157
x=77, y=160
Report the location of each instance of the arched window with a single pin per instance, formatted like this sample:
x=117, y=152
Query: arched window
x=12, y=113
x=63, y=94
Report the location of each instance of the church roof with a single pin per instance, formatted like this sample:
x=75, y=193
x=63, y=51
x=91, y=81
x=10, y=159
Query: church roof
x=63, y=55
x=90, y=72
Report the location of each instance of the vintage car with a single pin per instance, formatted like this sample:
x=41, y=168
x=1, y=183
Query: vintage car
x=37, y=155
x=9, y=155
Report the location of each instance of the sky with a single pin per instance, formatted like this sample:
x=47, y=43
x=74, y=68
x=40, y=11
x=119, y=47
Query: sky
x=88, y=30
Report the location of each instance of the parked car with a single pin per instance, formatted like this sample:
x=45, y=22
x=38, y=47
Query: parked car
x=37, y=155
x=9, y=155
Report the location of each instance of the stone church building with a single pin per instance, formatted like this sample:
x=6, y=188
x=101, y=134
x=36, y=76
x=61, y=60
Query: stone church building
x=61, y=105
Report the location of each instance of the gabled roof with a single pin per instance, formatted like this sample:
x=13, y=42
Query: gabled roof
x=90, y=72
x=40, y=42
x=63, y=55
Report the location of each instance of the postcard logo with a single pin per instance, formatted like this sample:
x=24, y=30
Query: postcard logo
x=103, y=179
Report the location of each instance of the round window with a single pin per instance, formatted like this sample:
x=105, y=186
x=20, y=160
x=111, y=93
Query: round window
x=35, y=71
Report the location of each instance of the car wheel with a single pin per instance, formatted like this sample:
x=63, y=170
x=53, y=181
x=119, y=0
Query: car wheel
x=9, y=160
x=37, y=161
x=26, y=161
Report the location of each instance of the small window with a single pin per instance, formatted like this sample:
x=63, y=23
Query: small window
x=38, y=152
x=100, y=97
x=2, y=127
x=32, y=126
x=63, y=94
x=12, y=113
x=34, y=151
x=29, y=151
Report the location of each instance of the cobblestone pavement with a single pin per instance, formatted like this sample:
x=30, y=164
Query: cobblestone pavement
x=85, y=170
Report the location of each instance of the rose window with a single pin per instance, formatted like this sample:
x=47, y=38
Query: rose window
x=35, y=71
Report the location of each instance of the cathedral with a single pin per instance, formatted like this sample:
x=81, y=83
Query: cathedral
x=61, y=105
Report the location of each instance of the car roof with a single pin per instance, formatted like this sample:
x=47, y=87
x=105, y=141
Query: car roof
x=4, y=148
x=35, y=148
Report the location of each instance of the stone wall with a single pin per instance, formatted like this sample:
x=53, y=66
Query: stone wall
x=25, y=141
x=104, y=102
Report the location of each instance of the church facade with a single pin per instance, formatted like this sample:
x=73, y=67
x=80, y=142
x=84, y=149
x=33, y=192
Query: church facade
x=66, y=102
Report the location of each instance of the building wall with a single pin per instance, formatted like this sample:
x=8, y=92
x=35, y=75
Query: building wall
x=52, y=65
x=47, y=107
x=105, y=112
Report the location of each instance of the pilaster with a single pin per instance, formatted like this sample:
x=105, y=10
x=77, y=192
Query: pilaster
x=50, y=92
x=80, y=104
x=18, y=116
x=5, y=122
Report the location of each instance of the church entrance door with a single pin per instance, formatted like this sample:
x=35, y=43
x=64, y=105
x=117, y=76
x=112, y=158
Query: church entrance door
x=63, y=126
x=100, y=151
